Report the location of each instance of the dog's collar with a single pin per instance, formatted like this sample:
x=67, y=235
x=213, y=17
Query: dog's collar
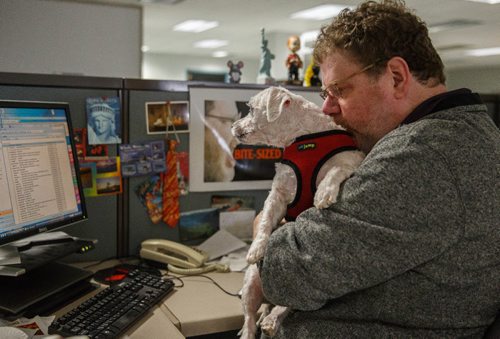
x=319, y=135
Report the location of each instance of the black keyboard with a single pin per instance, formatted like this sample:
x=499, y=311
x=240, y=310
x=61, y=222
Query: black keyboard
x=112, y=311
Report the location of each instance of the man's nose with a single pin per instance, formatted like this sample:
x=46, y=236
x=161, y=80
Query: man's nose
x=331, y=106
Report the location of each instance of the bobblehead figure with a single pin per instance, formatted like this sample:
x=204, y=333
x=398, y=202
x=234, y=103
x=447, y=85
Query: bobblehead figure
x=293, y=61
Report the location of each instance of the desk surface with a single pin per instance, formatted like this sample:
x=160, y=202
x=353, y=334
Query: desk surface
x=197, y=308
x=200, y=307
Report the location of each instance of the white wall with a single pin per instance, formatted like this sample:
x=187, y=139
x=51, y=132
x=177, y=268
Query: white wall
x=59, y=37
x=174, y=67
x=482, y=80
x=56, y=37
x=278, y=45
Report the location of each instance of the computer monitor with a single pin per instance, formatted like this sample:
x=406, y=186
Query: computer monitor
x=40, y=189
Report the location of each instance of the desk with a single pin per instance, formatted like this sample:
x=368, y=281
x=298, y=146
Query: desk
x=200, y=307
x=197, y=308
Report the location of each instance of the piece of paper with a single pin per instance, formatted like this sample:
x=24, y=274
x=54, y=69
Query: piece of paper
x=236, y=260
x=12, y=333
x=238, y=223
x=221, y=243
x=35, y=327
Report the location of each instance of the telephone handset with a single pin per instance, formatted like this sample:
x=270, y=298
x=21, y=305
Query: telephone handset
x=179, y=258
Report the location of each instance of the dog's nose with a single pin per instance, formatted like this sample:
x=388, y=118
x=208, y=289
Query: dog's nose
x=235, y=130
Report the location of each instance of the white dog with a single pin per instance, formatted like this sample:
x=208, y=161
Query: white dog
x=280, y=118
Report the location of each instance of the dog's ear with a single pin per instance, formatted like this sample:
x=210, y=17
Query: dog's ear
x=277, y=100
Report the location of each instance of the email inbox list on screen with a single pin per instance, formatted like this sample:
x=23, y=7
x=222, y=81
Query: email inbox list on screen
x=39, y=186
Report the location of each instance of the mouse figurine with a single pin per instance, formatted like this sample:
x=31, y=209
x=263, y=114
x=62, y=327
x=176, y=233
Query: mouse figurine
x=234, y=75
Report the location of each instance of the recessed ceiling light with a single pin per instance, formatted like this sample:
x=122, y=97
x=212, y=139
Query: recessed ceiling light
x=211, y=43
x=167, y=2
x=195, y=26
x=491, y=2
x=452, y=47
x=321, y=12
x=483, y=52
x=452, y=24
x=220, y=54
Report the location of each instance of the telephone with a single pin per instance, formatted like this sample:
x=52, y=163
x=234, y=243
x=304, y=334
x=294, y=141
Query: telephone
x=179, y=258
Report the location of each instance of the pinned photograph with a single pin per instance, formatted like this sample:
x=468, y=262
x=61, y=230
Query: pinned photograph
x=86, y=151
x=88, y=173
x=96, y=151
x=198, y=225
x=151, y=196
x=108, y=185
x=101, y=177
x=160, y=119
x=143, y=159
x=79, y=135
x=103, y=120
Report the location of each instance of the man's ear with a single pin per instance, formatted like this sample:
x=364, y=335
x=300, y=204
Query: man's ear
x=277, y=101
x=400, y=75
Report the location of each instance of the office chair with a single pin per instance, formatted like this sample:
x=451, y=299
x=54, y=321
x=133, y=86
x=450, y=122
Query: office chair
x=493, y=332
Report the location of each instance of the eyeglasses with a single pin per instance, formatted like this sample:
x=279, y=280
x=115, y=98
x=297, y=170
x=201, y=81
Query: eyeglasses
x=333, y=91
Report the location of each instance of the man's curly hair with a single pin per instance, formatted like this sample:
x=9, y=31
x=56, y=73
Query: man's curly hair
x=374, y=32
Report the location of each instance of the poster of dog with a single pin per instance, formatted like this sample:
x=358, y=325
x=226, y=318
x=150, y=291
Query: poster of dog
x=218, y=161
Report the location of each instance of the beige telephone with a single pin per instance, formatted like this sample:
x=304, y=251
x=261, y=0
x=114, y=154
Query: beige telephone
x=179, y=258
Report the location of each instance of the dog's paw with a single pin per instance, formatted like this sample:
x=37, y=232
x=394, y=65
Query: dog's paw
x=254, y=255
x=248, y=330
x=325, y=195
x=266, y=309
x=269, y=326
x=256, y=251
x=244, y=333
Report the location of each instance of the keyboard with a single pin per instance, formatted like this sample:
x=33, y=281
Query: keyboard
x=113, y=310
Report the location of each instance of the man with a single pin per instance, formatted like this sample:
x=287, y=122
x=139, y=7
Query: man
x=410, y=249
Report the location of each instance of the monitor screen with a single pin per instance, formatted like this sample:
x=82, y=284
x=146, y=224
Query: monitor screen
x=40, y=188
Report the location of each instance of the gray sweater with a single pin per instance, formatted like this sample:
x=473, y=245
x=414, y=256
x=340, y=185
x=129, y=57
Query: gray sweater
x=412, y=247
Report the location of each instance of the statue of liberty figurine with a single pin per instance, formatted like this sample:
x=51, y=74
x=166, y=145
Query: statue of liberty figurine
x=265, y=62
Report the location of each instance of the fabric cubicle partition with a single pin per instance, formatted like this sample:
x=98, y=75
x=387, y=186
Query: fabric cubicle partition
x=104, y=212
x=120, y=222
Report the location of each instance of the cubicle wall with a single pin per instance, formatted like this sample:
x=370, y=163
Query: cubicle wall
x=120, y=222
x=138, y=93
x=104, y=212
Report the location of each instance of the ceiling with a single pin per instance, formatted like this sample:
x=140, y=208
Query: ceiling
x=240, y=21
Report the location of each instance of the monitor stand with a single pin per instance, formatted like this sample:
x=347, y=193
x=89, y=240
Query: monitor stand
x=34, y=253
x=42, y=289
x=40, y=282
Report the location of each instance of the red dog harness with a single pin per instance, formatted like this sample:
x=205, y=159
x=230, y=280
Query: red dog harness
x=306, y=156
